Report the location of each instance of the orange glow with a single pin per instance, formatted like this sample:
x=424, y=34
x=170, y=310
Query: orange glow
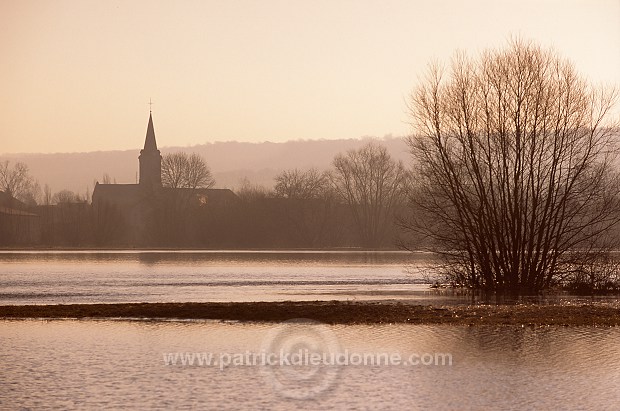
x=77, y=75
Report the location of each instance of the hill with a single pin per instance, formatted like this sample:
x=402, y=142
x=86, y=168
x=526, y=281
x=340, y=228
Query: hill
x=230, y=162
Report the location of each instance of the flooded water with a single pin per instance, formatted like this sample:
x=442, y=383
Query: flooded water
x=163, y=276
x=71, y=364
x=116, y=364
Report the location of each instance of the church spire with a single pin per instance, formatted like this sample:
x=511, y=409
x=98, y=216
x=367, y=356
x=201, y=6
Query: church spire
x=149, y=143
x=150, y=159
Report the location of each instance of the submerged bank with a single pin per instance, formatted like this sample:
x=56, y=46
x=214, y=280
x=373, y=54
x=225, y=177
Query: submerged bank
x=337, y=312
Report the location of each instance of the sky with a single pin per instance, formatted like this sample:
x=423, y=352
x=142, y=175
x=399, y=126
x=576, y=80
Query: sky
x=77, y=75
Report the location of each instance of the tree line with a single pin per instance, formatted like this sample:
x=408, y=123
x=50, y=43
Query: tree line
x=352, y=205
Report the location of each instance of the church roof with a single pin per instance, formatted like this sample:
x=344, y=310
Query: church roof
x=121, y=194
x=149, y=143
x=133, y=194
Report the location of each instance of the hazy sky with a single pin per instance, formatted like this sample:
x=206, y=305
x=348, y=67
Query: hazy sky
x=77, y=75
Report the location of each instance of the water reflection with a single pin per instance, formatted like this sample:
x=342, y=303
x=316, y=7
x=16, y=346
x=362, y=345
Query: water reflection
x=223, y=256
x=162, y=276
x=53, y=277
x=116, y=364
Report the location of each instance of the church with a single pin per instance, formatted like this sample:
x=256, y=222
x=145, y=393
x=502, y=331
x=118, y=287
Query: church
x=147, y=213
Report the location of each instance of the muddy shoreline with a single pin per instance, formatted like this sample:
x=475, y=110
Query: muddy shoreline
x=336, y=312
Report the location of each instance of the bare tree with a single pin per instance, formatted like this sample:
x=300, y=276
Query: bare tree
x=65, y=197
x=309, y=205
x=198, y=173
x=33, y=195
x=297, y=184
x=514, y=167
x=173, y=169
x=249, y=192
x=372, y=184
x=47, y=195
x=15, y=181
x=180, y=170
x=106, y=179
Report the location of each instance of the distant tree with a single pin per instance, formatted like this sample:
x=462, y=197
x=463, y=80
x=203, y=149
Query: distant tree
x=72, y=222
x=106, y=179
x=373, y=186
x=249, y=191
x=516, y=179
x=16, y=181
x=180, y=170
x=65, y=197
x=47, y=195
x=198, y=173
x=310, y=206
x=180, y=210
x=174, y=169
x=33, y=195
x=297, y=184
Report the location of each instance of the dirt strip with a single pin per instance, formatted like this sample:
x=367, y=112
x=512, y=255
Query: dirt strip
x=336, y=312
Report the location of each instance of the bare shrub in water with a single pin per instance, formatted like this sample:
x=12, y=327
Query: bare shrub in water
x=514, y=168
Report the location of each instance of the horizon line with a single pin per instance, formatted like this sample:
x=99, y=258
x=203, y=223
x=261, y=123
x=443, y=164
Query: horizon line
x=300, y=140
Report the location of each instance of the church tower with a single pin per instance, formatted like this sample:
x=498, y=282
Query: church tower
x=150, y=159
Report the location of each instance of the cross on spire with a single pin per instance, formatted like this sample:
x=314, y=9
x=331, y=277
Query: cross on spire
x=150, y=105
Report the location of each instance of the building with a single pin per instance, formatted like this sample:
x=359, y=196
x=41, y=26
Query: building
x=146, y=213
x=18, y=226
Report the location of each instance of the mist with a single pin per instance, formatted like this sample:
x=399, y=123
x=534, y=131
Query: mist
x=230, y=162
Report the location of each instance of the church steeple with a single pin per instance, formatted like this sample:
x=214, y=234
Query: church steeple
x=149, y=142
x=150, y=158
